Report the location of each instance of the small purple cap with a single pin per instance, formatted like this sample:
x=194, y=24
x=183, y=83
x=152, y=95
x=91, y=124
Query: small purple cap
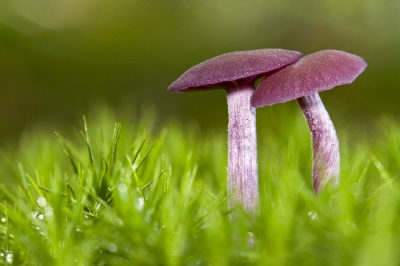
x=221, y=70
x=313, y=73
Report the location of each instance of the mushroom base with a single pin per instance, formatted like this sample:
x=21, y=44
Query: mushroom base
x=242, y=148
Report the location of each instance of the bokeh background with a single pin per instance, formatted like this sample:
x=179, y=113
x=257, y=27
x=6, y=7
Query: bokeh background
x=58, y=58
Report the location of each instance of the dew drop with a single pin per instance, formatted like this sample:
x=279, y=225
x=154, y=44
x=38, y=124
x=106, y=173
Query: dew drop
x=119, y=222
x=313, y=215
x=41, y=201
x=112, y=247
x=48, y=211
x=122, y=188
x=9, y=258
x=139, y=203
x=151, y=240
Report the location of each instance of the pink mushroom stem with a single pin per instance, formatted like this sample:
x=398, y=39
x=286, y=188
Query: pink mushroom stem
x=325, y=144
x=242, y=147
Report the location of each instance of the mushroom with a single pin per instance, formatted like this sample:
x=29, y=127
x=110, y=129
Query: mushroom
x=302, y=81
x=236, y=72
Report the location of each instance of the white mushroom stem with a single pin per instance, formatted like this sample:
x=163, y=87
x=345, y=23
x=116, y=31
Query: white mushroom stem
x=325, y=144
x=242, y=147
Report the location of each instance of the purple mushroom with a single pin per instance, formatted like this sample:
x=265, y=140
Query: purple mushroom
x=302, y=81
x=236, y=72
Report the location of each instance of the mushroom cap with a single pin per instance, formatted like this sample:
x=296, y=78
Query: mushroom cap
x=313, y=73
x=224, y=69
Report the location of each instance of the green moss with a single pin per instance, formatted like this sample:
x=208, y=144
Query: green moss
x=144, y=193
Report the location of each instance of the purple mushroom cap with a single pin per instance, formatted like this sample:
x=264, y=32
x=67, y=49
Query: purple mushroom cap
x=316, y=72
x=224, y=69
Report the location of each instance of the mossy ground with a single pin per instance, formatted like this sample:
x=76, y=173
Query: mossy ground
x=141, y=192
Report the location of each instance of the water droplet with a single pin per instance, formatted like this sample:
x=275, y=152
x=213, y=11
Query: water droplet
x=112, y=247
x=41, y=217
x=48, y=211
x=313, y=215
x=119, y=222
x=34, y=214
x=151, y=240
x=41, y=201
x=122, y=188
x=139, y=203
x=9, y=258
x=3, y=220
x=204, y=226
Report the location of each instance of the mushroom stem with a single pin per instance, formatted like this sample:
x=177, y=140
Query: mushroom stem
x=325, y=144
x=242, y=147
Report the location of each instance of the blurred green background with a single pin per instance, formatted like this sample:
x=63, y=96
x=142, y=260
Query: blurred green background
x=57, y=58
